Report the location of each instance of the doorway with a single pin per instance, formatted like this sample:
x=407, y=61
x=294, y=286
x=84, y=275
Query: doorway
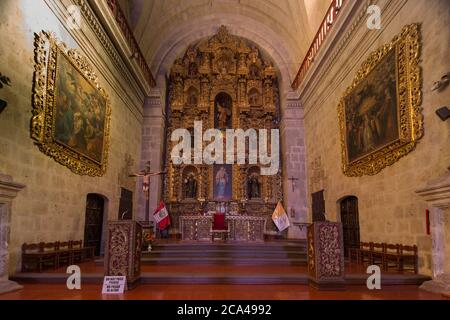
x=95, y=205
x=318, y=206
x=350, y=222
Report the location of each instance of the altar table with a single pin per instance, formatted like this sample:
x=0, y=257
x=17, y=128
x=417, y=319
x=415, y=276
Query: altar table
x=242, y=228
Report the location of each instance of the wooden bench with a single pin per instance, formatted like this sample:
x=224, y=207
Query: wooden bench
x=37, y=257
x=389, y=256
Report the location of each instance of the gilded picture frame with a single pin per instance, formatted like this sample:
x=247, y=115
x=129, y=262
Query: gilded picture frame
x=71, y=111
x=379, y=114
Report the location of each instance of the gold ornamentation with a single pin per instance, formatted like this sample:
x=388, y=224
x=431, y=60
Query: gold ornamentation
x=406, y=51
x=222, y=64
x=48, y=51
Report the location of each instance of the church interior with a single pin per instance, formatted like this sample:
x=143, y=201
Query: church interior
x=224, y=149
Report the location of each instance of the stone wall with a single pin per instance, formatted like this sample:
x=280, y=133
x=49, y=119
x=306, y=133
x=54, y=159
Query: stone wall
x=389, y=209
x=447, y=239
x=52, y=206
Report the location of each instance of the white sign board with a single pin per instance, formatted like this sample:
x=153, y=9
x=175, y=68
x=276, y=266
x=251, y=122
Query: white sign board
x=114, y=284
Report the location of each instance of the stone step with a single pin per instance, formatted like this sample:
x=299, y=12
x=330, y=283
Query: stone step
x=237, y=247
x=223, y=253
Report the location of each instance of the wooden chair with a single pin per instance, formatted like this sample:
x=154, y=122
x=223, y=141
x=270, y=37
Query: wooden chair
x=364, y=253
x=376, y=253
x=409, y=257
x=76, y=250
x=31, y=258
x=49, y=258
x=64, y=254
x=354, y=254
x=88, y=253
x=219, y=227
x=391, y=256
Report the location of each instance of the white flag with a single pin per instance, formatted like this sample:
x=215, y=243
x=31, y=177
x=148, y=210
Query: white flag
x=280, y=217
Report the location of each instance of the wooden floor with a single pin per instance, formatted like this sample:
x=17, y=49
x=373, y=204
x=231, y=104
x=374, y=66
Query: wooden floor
x=222, y=278
x=219, y=292
x=51, y=285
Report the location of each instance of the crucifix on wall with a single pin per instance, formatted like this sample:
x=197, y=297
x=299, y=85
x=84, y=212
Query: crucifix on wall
x=146, y=174
x=293, y=184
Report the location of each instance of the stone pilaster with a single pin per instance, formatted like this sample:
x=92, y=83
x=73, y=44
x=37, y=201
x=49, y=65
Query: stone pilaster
x=153, y=131
x=292, y=133
x=437, y=195
x=8, y=191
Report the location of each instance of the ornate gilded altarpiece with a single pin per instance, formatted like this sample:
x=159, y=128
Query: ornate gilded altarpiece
x=227, y=83
x=380, y=116
x=71, y=111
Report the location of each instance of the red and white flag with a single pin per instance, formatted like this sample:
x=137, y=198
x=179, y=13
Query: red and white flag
x=161, y=216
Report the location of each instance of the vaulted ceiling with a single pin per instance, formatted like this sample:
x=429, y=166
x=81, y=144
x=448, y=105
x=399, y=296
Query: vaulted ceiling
x=284, y=29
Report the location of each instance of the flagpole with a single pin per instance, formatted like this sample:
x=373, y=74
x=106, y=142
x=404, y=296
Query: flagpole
x=147, y=208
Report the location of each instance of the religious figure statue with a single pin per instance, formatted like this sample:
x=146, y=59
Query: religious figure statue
x=221, y=182
x=223, y=115
x=190, y=187
x=253, y=187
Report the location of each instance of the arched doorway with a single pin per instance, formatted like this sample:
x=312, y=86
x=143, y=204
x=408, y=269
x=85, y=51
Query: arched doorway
x=350, y=222
x=93, y=228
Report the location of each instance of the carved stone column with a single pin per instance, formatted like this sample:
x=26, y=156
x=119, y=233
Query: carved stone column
x=8, y=191
x=153, y=130
x=326, y=256
x=293, y=148
x=437, y=194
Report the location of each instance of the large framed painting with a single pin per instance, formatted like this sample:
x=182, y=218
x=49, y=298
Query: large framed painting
x=380, y=116
x=71, y=112
x=222, y=182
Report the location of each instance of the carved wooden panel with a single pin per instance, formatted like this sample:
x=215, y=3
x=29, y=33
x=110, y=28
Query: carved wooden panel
x=123, y=249
x=326, y=252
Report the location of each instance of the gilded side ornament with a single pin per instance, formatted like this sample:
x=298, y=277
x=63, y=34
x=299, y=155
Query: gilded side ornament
x=380, y=117
x=71, y=111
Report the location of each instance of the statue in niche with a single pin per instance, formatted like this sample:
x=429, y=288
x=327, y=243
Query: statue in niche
x=190, y=187
x=223, y=116
x=192, y=98
x=223, y=111
x=192, y=69
x=253, y=72
x=253, y=98
x=253, y=56
x=253, y=187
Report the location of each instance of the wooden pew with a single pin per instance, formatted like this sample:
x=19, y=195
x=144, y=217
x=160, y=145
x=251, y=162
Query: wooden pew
x=37, y=257
x=409, y=257
x=397, y=256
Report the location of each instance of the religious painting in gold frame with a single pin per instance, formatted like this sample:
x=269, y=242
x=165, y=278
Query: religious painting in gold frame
x=71, y=112
x=379, y=115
